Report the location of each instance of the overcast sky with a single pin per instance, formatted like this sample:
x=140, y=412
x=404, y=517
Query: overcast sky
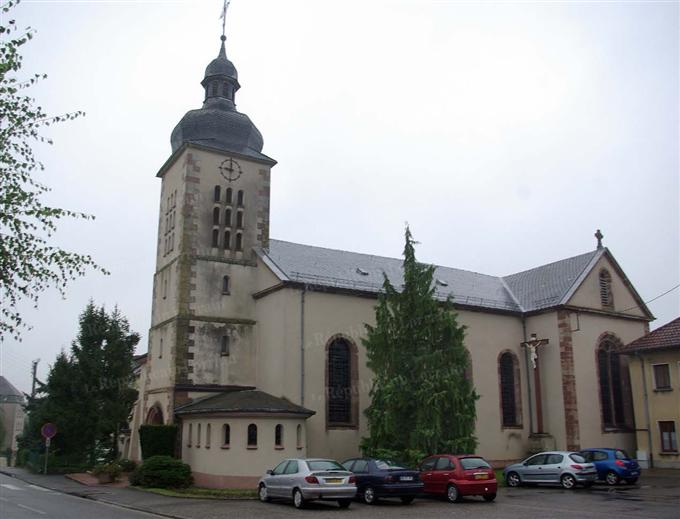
x=505, y=134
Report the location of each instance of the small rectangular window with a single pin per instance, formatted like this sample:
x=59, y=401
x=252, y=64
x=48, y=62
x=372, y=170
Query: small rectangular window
x=160, y=350
x=190, y=434
x=662, y=376
x=225, y=346
x=669, y=439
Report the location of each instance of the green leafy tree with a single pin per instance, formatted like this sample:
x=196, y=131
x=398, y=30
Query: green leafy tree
x=422, y=402
x=29, y=262
x=89, y=393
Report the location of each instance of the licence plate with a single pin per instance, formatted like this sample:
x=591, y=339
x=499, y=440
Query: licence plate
x=334, y=481
x=407, y=478
x=635, y=473
x=481, y=476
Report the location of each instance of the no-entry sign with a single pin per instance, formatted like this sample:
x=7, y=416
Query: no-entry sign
x=48, y=430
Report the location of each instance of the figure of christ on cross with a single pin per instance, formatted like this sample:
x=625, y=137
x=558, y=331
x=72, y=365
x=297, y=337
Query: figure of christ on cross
x=532, y=346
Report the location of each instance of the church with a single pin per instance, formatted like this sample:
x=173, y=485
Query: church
x=255, y=346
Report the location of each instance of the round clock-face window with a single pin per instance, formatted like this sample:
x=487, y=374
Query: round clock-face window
x=230, y=170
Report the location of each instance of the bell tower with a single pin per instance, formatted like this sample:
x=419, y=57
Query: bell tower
x=214, y=210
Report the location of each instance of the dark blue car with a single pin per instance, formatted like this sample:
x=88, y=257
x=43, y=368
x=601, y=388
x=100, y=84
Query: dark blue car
x=613, y=465
x=378, y=478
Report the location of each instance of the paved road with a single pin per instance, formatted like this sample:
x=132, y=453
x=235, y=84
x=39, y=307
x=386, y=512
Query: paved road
x=19, y=500
x=653, y=499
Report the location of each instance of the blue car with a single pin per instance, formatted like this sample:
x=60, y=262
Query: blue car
x=613, y=465
x=378, y=478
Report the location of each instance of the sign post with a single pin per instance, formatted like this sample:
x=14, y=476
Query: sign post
x=48, y=431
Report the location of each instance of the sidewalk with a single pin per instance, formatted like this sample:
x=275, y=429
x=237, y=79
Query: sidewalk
x=125, y=497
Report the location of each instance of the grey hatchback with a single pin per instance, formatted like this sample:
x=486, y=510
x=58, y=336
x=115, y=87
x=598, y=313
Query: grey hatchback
x=563, y=467
x=304, y=480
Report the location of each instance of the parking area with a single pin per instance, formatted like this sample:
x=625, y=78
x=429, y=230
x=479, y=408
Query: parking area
x=639, y=501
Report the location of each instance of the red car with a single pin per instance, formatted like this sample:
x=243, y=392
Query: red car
x=458, y=476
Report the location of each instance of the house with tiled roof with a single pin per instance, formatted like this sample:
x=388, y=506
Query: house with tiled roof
x=654, y=362
x=255, y=348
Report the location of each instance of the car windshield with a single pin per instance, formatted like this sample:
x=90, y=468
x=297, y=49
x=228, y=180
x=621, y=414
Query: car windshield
x=324, y=465
x=474, y=463
x=621, y=455
x=577, y=458
x=386, y=465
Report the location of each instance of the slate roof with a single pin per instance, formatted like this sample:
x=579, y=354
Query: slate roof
x=526, y=291
x=242, y=401
x=663, y=338
x=547, y=285
x=9, y=394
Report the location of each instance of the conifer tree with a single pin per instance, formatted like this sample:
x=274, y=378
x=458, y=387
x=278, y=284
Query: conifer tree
x=421, y=400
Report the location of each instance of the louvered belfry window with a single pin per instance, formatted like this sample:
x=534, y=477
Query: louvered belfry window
x=339, y=383
x=606, y=296
x=508, y=390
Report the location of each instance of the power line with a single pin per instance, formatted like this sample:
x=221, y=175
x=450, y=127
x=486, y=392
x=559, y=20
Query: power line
x=653, y=299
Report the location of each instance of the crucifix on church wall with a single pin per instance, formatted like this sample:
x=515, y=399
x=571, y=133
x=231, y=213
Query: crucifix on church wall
x=532, y=350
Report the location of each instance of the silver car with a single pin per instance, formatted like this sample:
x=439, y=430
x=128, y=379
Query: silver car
x=562, y=467
x=304, y=480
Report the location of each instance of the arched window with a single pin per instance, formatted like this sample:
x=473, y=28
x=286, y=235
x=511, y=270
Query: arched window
x=227, y=217
x=239, y=198
x=198, y=435
x=613, y=385
x=190, y=434
x=218, y=190
x=299, y=436
x=155, y=415
x=239, y=241
x=226, y=435
x=213, y=88
x=225, y=89
x=508, y=370
x=216, y=216
x=227, y=239
x=606, y=296
x=225, y=283
x=252, y=436
x=239, y=220
x=207, y=436
x=339, y=383
x=228, y=195
x=278, y=435
x=226, y=343
x=216, y=238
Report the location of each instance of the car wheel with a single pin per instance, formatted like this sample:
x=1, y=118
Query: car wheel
x=452, y=494
x=612, y=478
x=263, y=494
x=513, y=480
x=298, y=500
x=369, y=496
x=407, y=500
x=568, y=481
x=631, y=481
x=344, y=503
x=489, y=497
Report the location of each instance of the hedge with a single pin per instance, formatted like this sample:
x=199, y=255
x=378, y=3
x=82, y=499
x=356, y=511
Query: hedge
x=162, y=472
x=158, y=440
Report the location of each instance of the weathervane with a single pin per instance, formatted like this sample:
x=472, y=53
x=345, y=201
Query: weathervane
x=223, y=17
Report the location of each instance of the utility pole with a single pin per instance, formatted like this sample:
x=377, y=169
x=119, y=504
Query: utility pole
x=34, y=369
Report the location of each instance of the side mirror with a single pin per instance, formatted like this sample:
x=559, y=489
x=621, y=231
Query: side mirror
x=269, y=472
x=525, y=464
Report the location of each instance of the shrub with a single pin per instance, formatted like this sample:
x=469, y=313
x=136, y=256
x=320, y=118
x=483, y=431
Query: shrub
x=158, y=440
x=162, y=472
x=127, y=465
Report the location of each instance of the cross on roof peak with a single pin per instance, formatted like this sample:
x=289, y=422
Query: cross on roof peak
x=599, y=237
